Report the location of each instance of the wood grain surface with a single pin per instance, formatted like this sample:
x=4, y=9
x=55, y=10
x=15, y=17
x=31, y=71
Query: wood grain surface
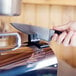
x=53, y=2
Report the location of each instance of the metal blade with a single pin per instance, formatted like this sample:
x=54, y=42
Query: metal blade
x=43, y=33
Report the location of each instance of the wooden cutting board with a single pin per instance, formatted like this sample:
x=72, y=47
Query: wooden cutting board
x=23, y=56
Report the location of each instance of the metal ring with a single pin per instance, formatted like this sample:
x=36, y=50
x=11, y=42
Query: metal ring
x=18, y=40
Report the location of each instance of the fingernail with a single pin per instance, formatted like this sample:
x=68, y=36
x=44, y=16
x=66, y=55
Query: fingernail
x=54, y=38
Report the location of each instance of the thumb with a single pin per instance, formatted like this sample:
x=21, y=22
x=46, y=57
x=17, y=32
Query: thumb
x=63, y=27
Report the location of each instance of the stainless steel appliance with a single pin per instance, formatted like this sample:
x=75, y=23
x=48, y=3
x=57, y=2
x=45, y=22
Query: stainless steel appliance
x=18, y=41
x=10, y=7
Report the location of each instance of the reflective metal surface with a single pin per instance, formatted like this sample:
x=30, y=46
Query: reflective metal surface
x=10, y=7
x=27, y=63
x=18, y=41
x=48, y=71
x=43, y=33
x=30, y=67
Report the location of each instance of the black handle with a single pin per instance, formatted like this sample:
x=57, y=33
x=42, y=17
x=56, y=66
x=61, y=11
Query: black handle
x=58, y=32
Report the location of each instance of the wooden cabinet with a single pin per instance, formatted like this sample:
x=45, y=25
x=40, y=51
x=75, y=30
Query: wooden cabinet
x=53, y=2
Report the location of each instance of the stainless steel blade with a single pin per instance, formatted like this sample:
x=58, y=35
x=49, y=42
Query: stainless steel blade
x=43, y=33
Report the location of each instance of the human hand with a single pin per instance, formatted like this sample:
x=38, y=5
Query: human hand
x=64, y=47
x=66, y=38
x=66, y=27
